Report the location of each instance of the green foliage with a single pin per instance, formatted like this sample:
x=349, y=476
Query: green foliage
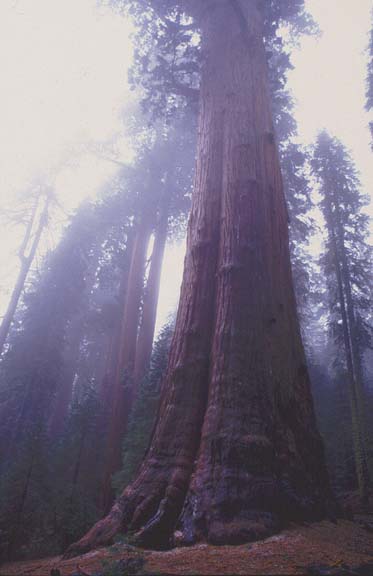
x=330, y=393
x=167, y=66
x=299, y=203
x=36, y=469
x=49, y=490
x=32, y=367
x=144, y=412
x=168, y=52
x=77, y=462
x=60, y=341
x=125, y=567
x=340, y=186
x=24, y=487
x=346, y=266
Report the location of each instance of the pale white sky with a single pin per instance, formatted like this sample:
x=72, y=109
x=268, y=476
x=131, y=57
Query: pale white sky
x=63, y=72
x=329, y=79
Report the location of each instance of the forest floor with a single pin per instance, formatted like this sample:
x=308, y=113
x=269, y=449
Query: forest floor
x=324, y=548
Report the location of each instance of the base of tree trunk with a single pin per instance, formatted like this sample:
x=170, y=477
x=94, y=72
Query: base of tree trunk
x=158, y=518
x=261, y=526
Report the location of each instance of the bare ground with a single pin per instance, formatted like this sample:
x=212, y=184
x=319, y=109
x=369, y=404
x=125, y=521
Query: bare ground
x=293, y=551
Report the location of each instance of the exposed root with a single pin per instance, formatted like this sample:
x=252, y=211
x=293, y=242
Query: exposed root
x=149, y=508
x=101, y=534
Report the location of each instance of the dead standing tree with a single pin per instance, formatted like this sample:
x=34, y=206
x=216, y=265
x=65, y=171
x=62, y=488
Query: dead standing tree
x=36, y=224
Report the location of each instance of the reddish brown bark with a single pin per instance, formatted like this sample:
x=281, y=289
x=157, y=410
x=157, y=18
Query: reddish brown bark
x=150, y=302
x=122, y=390
x=112, y=352
x=235, y=453
x=106, y=388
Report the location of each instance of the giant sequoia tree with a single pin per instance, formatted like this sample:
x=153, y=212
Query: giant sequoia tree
x=167, y=68
x=235, y=453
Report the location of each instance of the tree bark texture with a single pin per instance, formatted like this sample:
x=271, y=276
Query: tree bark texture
x=122, y=391
x=235, y=452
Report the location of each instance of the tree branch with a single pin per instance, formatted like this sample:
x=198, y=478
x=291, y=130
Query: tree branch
x=184, y=90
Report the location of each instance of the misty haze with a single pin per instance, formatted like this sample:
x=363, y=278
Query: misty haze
x=186, y=260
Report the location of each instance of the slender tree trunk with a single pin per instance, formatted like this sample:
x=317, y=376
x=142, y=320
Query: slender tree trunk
x=122, y=395
x=17, y=291
x=61, y=403
x=107, y=380
x=150, y=303
x=26, y=262
x=21, y=506
x=108, y=384
x=108, y=403
x=112, y=353
x=361, y=467
x=69, y=510
x=77, y=466
x=63, y=396
x=354, y=345
x=348, y=467
x=235, y=453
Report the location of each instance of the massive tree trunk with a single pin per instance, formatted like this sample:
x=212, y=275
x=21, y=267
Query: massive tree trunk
x=122, y=392
x=235, y=453
x=150, y=302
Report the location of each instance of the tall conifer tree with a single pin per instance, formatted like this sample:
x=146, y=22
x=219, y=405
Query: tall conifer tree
x=347, y=264
x=235, y=453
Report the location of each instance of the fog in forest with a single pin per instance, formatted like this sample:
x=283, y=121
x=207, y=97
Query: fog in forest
x=186, y=257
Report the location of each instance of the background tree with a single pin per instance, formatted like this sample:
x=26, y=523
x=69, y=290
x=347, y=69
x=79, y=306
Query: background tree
x=70, y=328
x=144, y=410
x=162, y=203
x=347, y=265
x=330, y=387
x=36, y=221
x=33, y=372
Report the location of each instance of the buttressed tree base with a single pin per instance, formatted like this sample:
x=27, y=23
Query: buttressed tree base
x=235, y=454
